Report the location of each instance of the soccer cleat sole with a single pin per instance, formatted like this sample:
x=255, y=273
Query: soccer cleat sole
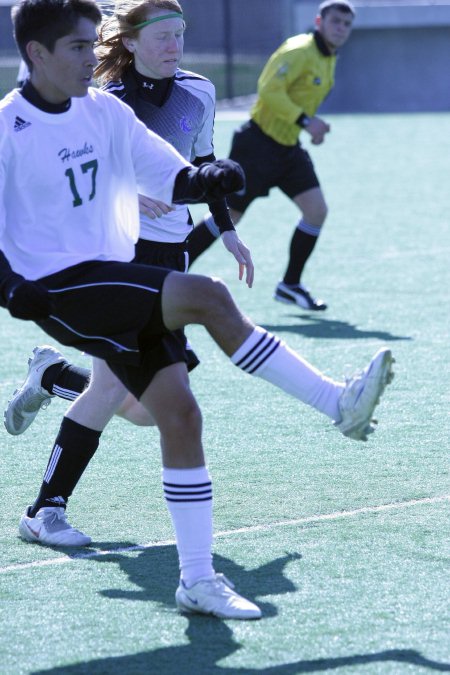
x=280, y=296
x=28, y=535
x=9, y=425
x=286, y=301
x=358, y=434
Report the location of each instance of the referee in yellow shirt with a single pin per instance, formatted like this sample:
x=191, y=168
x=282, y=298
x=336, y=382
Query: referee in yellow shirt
x=294, y=82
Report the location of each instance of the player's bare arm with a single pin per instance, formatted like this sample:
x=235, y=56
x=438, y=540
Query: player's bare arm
x=153, y=208
x=242, y=254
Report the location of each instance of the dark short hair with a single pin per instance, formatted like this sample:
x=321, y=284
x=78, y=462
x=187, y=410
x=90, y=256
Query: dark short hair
x=49, y=20
x=342, y=5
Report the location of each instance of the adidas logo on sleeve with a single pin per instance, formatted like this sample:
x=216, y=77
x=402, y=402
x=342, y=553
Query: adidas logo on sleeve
x=20, y=124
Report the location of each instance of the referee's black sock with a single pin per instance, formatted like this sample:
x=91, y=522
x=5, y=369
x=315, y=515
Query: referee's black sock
x=302, y=245
x=199, y=241
x=73, y=449
x=65, y=380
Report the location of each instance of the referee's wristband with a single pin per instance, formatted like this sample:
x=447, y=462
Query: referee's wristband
x=304, y=121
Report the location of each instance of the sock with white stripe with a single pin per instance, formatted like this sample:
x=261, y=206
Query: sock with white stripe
x=65, y=380
x=302, y=245
x=74, y=447
x=268, y=357
x=188, y=494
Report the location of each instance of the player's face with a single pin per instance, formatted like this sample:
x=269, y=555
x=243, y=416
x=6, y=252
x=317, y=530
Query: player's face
x=335, y=27
x=67, y=71
x=158, y=48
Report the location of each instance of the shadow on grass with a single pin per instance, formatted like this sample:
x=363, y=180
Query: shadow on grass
x=155, y=571
x=317, y=327
x=94, y=550
x=211, y=640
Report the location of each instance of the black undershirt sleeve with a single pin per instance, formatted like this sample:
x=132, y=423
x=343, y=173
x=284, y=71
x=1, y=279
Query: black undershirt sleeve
x=219, y=209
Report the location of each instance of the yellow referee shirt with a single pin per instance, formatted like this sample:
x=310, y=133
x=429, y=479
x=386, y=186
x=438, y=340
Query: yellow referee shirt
x=295, y=80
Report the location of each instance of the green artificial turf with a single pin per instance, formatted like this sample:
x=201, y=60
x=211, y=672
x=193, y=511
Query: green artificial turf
x=343, y=545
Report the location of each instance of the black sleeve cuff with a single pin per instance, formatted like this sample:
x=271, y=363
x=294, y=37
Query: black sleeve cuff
x=198, y=161
x=303, y=121
x=221, y=214
x=219, y=209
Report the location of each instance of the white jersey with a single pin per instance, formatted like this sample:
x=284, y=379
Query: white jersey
x=69, y=181
x=186, y=121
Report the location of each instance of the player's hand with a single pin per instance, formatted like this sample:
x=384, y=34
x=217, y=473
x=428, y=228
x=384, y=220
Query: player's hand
x=152, y=207
x=220, y=178
x=242, y=254
x=29, y=300
x=317, y=129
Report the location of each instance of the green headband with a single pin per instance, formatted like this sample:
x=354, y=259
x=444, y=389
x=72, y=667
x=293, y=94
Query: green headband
x=173, y=15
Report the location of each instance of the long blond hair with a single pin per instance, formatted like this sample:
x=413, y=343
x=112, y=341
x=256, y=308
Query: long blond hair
x=113, y=57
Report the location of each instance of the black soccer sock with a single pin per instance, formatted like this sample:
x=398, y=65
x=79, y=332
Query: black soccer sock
x=65, y=380
x=74, y=447
x=199, y=241
x=302, y=245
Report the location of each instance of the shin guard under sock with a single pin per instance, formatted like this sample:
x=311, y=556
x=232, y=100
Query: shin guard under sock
x=302, y=245
x=268, y=357
x=188, y=494
x=65, y=380
x=73, y=449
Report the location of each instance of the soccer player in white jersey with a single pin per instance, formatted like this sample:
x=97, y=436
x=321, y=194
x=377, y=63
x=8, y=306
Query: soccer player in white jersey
x=72, y=160
x=140, y=66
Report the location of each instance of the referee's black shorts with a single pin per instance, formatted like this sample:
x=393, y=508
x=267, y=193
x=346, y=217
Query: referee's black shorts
x=268, y=164
x=112, y=310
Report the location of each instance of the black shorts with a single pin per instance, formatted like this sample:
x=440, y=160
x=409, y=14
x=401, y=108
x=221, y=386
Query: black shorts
x=112, y=310
x=174, y=257
x=161, y=254
x=268, y=164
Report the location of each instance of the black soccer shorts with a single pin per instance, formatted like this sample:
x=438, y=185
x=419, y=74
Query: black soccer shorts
x=112, y=310
x=268, y=164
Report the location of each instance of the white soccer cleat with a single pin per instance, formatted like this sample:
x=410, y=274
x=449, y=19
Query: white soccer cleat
x=215, y=595
x=50, y=528
x=361, y=394
x=26, y=402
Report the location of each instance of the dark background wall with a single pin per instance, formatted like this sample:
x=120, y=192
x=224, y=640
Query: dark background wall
x=249, y=26
x=7, y=46
x=397, y=58
x=393, y=70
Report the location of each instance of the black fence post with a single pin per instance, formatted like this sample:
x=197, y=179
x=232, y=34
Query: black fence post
x=228, y=48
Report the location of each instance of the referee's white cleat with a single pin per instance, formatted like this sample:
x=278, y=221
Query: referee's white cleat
x=215, y=595
x=26, y=402
x=361, y=394
x=50, y=528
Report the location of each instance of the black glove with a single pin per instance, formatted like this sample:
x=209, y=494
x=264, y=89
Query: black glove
x=211, y=181
x=28, y=300
x=220, y=178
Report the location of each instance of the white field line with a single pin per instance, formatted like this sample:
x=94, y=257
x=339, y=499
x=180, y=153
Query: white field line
x=226, y=533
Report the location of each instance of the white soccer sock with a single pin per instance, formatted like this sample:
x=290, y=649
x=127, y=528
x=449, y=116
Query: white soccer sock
x=268, y=357
x=188, y=494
